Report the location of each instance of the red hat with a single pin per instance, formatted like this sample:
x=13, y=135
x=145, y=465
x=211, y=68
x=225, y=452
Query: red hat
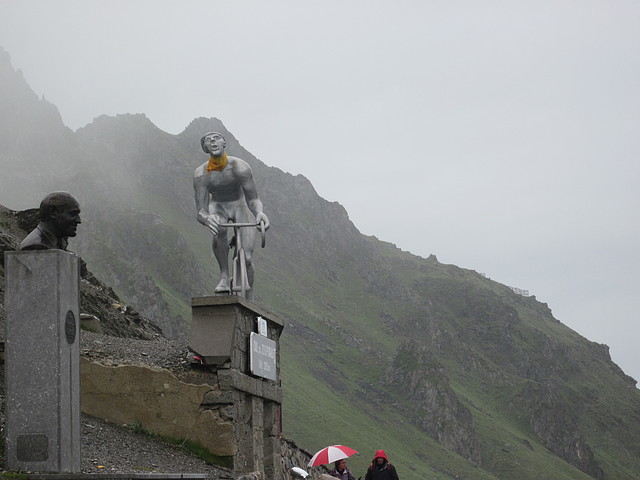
x=380, y=453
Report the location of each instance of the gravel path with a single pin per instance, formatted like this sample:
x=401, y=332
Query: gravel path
x=119, y=449
x=109, y=448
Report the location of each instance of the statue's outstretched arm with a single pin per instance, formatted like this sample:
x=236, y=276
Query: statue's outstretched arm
x=251, y=196
x=212, y=222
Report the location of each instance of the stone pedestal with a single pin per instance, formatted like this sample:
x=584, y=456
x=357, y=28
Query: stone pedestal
x=42, y=376
x=220, y=333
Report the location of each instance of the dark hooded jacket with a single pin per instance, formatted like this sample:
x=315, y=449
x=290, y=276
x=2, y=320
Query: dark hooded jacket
x=384, y=471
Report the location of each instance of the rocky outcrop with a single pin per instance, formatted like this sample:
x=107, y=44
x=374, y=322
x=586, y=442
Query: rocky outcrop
x=417, y=373
x=96, y=299
x=552, y=418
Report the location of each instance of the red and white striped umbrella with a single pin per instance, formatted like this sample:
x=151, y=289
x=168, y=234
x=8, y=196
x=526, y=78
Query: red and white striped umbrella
x=331, y=454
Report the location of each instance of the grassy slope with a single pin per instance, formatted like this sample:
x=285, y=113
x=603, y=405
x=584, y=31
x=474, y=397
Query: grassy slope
x=316, y=410
x=325, y=378
x=346, y=320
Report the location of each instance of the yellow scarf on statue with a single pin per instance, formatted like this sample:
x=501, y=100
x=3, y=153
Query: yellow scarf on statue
x=218, y=163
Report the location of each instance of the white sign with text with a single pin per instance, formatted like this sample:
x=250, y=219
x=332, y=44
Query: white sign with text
x=262, y=356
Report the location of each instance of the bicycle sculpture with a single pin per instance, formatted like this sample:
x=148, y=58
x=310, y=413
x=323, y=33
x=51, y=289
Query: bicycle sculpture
x=226, y=197
x=239, y=280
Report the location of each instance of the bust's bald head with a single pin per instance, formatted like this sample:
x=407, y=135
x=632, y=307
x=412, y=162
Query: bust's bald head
x=61, y=211
x=59, y=218
x=54, y=202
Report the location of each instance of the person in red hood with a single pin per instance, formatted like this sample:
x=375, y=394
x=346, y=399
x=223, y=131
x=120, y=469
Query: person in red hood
x=380, y=468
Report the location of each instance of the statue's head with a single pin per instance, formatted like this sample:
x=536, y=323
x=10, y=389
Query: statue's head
x=213, y=143
x=61, y=212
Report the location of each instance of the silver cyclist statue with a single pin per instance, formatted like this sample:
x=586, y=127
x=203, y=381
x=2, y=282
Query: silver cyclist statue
x=225, y=192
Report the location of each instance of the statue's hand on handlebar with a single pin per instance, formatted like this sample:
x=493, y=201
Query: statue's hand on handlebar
x=213, y=224
x=261, y=217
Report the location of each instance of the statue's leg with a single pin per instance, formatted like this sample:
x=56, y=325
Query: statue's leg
x=221, y=252
x=248, y=242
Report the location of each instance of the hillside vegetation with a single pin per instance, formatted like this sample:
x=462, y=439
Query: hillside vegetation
x=453, y=374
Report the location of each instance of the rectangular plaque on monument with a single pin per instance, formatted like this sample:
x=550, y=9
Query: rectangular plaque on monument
x=262, y=356
x=42, y=356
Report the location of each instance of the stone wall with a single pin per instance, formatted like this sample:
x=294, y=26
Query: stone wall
x=220, y=333
x=228, y=407
x=292, y=456
x=207, y=413
x=157, y=401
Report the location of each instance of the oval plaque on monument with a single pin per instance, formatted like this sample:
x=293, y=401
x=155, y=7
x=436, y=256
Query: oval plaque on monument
x=70, y=327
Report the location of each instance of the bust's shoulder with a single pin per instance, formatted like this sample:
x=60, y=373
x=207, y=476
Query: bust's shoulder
x=36, y=240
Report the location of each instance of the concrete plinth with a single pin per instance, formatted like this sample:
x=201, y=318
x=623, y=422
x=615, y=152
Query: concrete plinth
x=221, y=329
x=221, y=326
x=42, y=375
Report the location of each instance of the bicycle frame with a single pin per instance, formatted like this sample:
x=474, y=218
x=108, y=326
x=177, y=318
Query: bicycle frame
x=239, y=280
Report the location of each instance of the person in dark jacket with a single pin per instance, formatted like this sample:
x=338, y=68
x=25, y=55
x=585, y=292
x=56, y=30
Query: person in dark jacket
x=341, y=471
x=380, y=468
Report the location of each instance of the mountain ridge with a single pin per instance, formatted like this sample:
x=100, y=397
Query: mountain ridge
x=490, y=385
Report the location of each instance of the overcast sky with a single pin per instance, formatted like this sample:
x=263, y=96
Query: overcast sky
x=500, y=136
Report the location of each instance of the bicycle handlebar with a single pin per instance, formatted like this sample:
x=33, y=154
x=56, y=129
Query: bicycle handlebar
x=254, y=224
x=260, y=226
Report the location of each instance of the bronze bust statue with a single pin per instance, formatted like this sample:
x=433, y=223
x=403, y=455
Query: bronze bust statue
x=59, y=217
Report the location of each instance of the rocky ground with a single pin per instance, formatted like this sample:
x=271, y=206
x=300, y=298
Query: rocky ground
x=109, y=448
x=158, y=352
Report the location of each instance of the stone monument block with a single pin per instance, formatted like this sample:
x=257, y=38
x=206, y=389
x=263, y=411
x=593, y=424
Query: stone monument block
x=221, y=327
x=243, y=341
x=211, y=322
x=42, y=354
